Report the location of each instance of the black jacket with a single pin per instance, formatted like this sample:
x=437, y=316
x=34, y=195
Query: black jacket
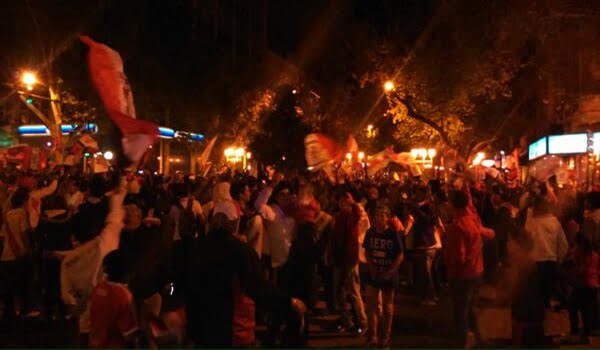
x=216, y=262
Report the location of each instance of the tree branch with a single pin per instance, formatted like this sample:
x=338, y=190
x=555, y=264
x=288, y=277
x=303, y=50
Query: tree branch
x=412, y=113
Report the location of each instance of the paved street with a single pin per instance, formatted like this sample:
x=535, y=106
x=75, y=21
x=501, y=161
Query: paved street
x=415, y=326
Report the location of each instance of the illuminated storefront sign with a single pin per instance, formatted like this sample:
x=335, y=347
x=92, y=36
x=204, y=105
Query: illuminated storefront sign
x=538, y=148
x=42, y=130
x=568, y=144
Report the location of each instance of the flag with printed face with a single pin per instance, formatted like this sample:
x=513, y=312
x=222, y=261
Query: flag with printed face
x=320, y=151
x=108, y=77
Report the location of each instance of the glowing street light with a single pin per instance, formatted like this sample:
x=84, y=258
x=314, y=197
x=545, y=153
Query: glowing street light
x=388, y=86
x=479, y=158
x=361, y=156
x=431, y=153
x=108, y=155
x=414, y=153
x=488, y=163
x=349, y=156
x=239, y=152
x=29, y=79
x=236, y=154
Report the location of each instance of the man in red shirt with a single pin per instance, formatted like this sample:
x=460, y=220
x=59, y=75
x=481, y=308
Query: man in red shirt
x=112, y=314
x=343, y=254
x=464, y=261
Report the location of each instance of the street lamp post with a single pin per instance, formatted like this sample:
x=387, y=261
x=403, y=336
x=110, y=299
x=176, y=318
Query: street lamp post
x=29, y=79
x=361, y=159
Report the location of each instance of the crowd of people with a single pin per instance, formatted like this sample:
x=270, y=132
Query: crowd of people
x=144, y=260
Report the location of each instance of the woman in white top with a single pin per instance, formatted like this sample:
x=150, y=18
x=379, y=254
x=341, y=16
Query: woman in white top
x=550, y=244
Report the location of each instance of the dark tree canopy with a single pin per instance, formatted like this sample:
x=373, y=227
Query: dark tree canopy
x=465, y=71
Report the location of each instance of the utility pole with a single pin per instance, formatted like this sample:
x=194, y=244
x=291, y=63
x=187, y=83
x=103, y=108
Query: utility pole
x=57, y=120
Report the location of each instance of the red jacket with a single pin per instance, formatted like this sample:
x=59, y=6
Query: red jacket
x=464, y=258
x=343, y=249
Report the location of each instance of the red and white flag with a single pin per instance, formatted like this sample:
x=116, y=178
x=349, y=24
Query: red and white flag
x=321, y=152
x=347, y=167
x=108, y=77
x=406, y=159
x=205, y=156
x=545, y=168
x=352, y=145
x=101, y=165
x=378, y=162
x=88, y=142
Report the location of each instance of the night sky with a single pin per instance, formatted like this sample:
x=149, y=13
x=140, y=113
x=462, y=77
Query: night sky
x=188, y=60
x=195, y=64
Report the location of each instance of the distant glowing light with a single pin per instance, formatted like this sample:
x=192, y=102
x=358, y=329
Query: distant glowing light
x=29, y=79
x=108, y=155
x=414, y=153
x=479, y=158
x=488, y=163
x=388, y=86
x=239, y=152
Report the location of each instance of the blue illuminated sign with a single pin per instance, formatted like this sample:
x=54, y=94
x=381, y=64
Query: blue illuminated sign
x=538, y=148
x=165, y=133
x=42, y=130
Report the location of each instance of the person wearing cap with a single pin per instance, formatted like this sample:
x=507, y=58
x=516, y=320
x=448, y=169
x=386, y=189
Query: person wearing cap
x=384, y=252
